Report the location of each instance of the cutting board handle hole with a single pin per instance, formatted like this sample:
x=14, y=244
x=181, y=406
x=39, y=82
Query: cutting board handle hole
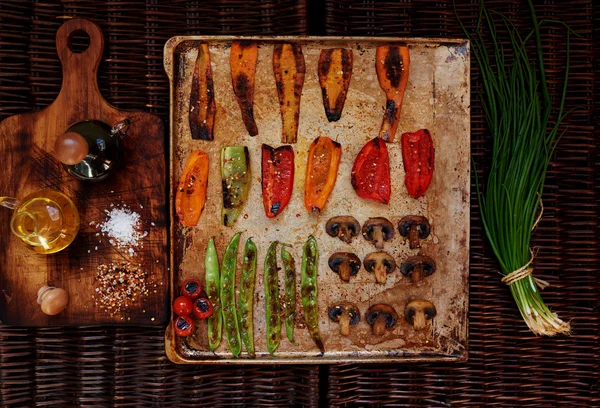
x=79, y=41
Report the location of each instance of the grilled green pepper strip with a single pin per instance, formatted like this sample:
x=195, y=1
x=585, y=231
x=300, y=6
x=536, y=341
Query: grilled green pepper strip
x=245, y=310
x=215, y=321
x=235, y=179
x=289, y=302
x=272, y=305
x=232, y=331
x=310, y=301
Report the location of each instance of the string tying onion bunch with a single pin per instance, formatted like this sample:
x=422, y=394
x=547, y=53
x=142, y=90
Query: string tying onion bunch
x=518, y=108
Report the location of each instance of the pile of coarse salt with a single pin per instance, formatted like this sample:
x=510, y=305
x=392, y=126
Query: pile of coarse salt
x=123, y=228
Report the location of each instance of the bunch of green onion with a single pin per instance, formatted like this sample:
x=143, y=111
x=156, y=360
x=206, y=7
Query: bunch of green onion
x=517, y=107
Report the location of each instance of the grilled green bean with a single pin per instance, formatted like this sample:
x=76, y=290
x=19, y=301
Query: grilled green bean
x=309, y=290
x=289, y=302
x=215, y=322
x=232, y=331
x=272, y=305
x=245, y=311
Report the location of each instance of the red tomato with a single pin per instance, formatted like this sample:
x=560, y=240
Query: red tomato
x=184, y=326
x=203, y=309
x=182, y=306
x=191, y=288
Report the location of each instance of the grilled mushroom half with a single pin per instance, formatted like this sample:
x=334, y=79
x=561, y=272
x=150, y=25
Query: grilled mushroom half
x=346, y=314
x=378, y=230
x=345, y=227
x=345, y=264
x=381, y=317
x=381, y=263
x=418, y=312
x=417, y=267
x=415, y=227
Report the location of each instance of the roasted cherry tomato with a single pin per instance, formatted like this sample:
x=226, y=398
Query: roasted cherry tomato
x=203, y=309
x=191, y=288
x=184, y=326
x=182, y=306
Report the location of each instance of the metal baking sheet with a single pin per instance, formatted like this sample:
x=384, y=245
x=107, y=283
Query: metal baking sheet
x=437, y=97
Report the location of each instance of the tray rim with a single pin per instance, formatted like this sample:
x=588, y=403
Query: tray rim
x=170, y=343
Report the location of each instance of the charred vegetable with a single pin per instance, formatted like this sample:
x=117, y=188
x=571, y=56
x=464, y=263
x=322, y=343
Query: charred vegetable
x=213, y=287
x=418, y=312
x=345, y=227
x=416, y=228
x=242, y=61
x=272, y=305
x=232, y=331
x=346, y=314
x=371, y=172
x=335, y=72
x=277, y=178
x=418, y=156
x=191, y=192
x=184, y=326
x=245, y=310
x=289, y=69
x=309, y=290
x=381, y=317
x=202, y=97
x=321, y=172
x=392, y=63
x=344, y=264
x=289, y=298
x=381, y=264
x=378, y=230
x=235, y=178
x=418, y=267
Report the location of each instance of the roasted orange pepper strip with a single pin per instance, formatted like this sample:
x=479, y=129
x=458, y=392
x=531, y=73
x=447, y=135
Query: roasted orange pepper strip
x=321, y=172
x=242, y=61
x=191, y=191
x=289, y=69
x=202, y=97
x=392, y=63
x=335, y=72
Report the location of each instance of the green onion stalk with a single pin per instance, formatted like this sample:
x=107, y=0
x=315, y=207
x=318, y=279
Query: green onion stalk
x=518, y=108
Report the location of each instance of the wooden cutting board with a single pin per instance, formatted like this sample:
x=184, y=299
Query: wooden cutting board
x=28, y=165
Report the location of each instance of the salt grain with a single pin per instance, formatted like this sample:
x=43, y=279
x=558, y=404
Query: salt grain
x=123, y=228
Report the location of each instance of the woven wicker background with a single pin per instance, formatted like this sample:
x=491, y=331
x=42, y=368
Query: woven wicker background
x=507, y=366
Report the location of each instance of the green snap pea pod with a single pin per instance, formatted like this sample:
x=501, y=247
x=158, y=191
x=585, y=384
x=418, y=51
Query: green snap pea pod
x=289, y=302
x=245, y=310
x=310, y=301
x=272, y=305
x=232, y=331
x=213, y=285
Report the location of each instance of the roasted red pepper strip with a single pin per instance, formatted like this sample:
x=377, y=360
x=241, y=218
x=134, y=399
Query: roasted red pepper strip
x=277, y=178
x=371, y=172
x=418, y=155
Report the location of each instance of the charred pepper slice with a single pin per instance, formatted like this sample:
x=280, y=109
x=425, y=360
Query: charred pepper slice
x=242, y=61
x=213, y=286
x=272, y=306
x=235, y=178
x=371, y=172
x=335, y=72
x=245, y=311
x=289, y=297
x=392, y=64
x=232, y=331
x=202, y=97
x=321, y=172
x=277, y=178
x=418, y=155
x=309, y=290
x=191, y=192
x=289, y=70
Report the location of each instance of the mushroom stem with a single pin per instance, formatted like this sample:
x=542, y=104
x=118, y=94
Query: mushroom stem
x=413, y=237
x=344, y=271
x=419, y=321
x=378, y=238
x=381, y=274
x=345, y=234
x=417, y=272
x=379, y=325
x=344, y=324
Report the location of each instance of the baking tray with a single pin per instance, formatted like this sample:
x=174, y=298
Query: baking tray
x=437, y=97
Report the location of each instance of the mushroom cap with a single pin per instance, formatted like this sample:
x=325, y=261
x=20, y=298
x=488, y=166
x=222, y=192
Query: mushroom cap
x=338, y=258
x=408, y=266
x=332, y=227
x=381, y=309
x=378, y=222
x=406, y=223
x=372, y=259
x=415, y=306
x=349, y=308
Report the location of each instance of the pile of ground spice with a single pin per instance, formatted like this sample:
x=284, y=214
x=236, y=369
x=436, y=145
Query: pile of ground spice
x=119, y=285
x=123, y=228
